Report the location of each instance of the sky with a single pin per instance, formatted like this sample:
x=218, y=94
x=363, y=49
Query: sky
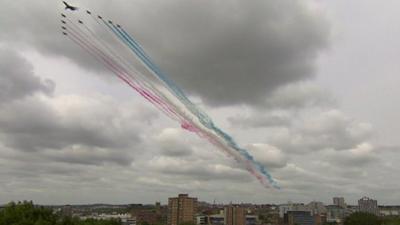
x=308, y=87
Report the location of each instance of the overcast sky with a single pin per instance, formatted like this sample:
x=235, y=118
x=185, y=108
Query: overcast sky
x=309, y=87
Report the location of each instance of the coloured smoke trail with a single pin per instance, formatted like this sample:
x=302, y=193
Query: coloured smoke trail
x=121, y=54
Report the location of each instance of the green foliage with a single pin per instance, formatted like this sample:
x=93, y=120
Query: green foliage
x=361, y=218
x=25, y=213
x=393, y=220
x=330, y=223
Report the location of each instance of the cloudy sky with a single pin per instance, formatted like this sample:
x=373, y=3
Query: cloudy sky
x=308, y=87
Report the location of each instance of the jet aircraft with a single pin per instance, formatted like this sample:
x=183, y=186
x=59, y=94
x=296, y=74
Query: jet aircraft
x=70, y=7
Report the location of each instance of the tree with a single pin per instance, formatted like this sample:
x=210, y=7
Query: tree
x=26, y=213
x=361, y=218
x=392, y=220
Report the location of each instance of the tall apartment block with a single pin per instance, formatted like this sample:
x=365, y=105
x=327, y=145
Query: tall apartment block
x=368, y=205
x=181, y=209
x=234, y=215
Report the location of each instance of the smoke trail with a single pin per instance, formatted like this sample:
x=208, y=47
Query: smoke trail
x=76, y=33
x=205, y=127
x=203, y=117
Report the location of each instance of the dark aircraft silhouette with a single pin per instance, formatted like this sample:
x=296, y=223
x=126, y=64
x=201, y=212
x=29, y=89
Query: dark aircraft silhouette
x=62, y=21
x=70, y=7
x=64, y=33
x=100, y=17
x=62, y=15
x=88, y=12
x=64, y=28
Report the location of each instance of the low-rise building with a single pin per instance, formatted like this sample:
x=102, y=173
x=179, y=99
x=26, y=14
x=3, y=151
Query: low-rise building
x=298, y=218
x=335, y=214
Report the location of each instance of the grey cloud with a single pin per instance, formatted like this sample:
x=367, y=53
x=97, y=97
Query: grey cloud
x=90, y=156
x=268, y=155
x=299, y=95
x=70, y=129
x=329, y=129
x=230, y=53
x=17, y=79
x=33, y=124
x=361, y=155
x=197, y=169
x=172, y=143
x=236, y=52
x=282, y=105
x=259, y=120
x=388, y=148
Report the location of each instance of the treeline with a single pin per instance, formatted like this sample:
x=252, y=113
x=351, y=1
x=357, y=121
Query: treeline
x=361, y=218
x=26, y=213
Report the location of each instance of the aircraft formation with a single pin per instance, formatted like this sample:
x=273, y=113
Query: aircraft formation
x=120, y=53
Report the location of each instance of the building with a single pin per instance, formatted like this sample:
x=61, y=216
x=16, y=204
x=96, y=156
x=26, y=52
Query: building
x=148, y=217
x=315, y=208
x=251, y=220
x=284, y=208
x=268, y=215
x=181, y=209
x=335, y=214
x=129, y=221
x=234, y=215
x=217, y=219
x=368, y=205
x=339, y=201
x=320, y=219
x=67, y=211
x=298, y=218
x=157, y=207
x=389, y=210
x=202, y=220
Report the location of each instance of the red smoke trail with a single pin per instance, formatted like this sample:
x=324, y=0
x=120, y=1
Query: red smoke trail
x=122, y=74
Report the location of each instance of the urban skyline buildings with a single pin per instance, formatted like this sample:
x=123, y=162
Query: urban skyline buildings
x=234, y=215
x=181, y=209
x=185, y=210
x=368, y=205
x=339, y=201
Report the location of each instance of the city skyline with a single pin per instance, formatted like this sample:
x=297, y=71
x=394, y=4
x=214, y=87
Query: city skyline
x=309, y=88
x=167, y=202
x=185, y=209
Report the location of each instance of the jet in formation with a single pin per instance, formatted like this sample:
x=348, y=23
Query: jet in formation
x=70, y=7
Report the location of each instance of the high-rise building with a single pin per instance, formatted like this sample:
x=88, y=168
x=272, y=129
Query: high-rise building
x=181, y=209
x=339, y=201
x=368, y=205
x=234, y=215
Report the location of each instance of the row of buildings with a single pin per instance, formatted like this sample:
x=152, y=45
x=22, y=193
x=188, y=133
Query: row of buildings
x=186, y=210
x=183, y=209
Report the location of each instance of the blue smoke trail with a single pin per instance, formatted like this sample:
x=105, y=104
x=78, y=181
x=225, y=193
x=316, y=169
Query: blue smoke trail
x=203, y=117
